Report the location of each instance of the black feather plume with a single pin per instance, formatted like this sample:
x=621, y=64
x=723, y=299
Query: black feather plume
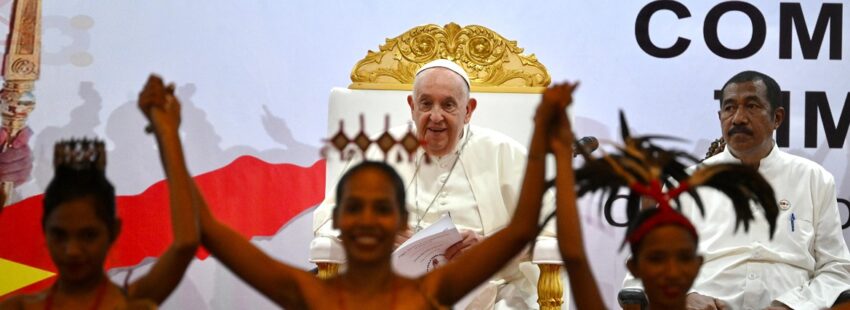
x=640, y=161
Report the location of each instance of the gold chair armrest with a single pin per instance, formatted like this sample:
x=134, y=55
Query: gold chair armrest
x=327, y=270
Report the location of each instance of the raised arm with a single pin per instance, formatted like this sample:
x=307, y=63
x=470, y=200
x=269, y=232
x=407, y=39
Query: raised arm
x=162, y=110
x=457, y=278
x=279, y=282
x=274, y=279
x=570, y=240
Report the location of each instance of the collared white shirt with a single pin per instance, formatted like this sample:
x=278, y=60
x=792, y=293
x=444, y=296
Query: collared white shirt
x=806, y=264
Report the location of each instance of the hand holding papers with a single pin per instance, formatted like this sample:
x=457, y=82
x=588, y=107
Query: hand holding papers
x=426, y=250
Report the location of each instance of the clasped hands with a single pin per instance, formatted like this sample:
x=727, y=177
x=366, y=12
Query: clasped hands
x=159, y=105
x=551, y=117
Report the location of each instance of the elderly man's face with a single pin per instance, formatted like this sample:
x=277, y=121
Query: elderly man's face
x=746, y=117
x=440, y=106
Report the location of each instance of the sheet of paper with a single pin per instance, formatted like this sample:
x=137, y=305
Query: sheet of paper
x=426, y=250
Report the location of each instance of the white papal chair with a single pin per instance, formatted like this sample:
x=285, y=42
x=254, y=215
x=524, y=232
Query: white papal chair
x=506, y=83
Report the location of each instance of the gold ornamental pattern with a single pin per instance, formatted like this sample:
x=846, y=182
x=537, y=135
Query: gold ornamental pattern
x=492, y=62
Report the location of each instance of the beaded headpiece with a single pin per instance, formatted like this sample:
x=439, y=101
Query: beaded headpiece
x=80, y=154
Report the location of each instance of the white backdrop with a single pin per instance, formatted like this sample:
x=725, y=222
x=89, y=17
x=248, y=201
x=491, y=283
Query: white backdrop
x=255, y=78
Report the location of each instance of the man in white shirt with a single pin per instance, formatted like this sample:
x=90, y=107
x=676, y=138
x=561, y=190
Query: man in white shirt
x=474, y=175
x=806, y=265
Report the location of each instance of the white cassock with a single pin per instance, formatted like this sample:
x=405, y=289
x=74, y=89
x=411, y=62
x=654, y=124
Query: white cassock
x=480, y=192
x=804, y=267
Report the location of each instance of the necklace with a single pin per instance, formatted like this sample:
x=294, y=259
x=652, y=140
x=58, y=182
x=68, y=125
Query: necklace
x=421, y=215
x=101, y=291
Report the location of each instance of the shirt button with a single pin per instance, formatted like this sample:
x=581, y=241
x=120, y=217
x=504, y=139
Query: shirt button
x=443, y=179
x=752, y=276
x=442, y=203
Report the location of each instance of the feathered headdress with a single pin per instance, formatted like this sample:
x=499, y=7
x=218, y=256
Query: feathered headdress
x=646, y=170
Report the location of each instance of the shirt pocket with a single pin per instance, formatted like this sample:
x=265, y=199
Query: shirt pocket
x=795, y=231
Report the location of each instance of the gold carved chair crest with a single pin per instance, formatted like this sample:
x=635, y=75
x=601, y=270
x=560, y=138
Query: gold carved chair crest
x=493, y=63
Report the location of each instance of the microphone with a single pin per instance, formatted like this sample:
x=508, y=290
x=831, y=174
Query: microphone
x=587, y=144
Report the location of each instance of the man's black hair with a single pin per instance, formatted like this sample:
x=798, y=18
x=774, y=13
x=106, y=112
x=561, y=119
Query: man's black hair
x=772, y=89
